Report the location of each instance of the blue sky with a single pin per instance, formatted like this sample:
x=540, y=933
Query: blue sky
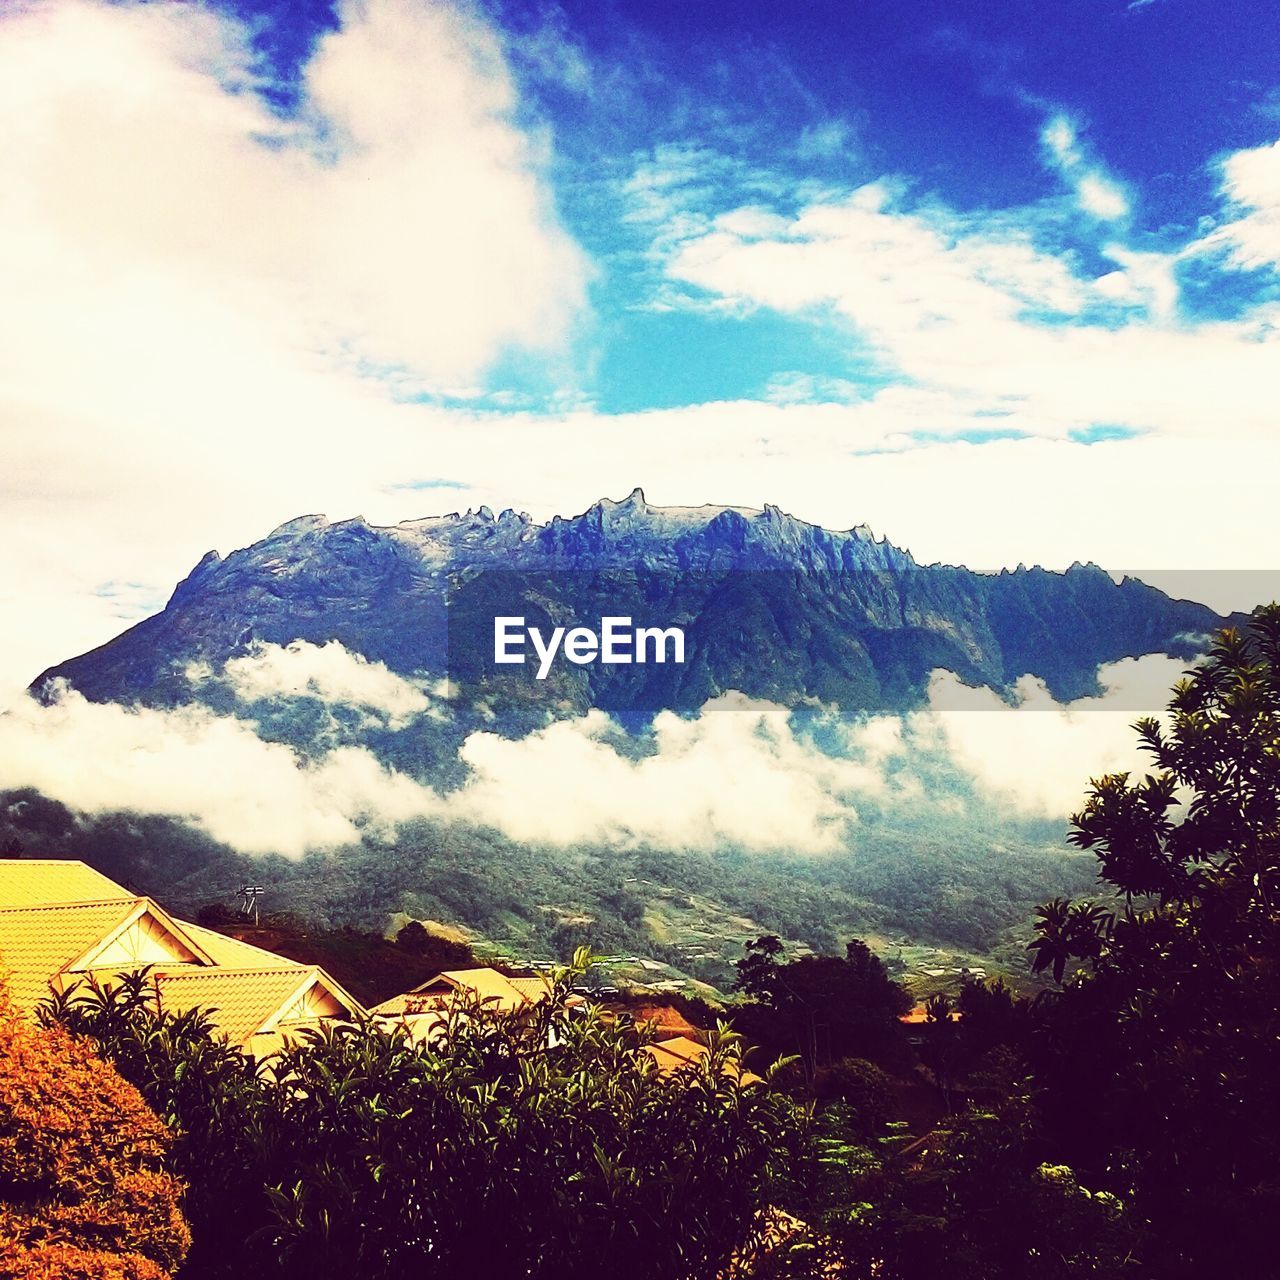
x=781, y=105
x=991, y=277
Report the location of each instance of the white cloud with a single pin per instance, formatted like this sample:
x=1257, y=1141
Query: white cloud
x=196, y=289
x=212, y=771
x=735, y=774
x=740, y=773
x=1096, y=192
x=329, y=672
x=973, y=311
x=1038, y=755
x=186, y=311
x=137, y=152
x=1251, y=185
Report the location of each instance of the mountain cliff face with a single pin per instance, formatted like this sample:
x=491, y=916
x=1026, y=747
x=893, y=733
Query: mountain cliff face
x=770, y=605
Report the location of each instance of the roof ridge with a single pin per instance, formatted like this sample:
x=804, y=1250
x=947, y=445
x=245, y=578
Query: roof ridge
x=205, y=970
x=81, y=902
x=60, y=862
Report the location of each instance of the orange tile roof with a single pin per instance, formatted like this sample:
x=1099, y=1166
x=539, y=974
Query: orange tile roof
x=675, y=1052
x=231, y=953
x=420, y=1021
x=488, y=985
x=40, y=938
x=406, y=1003
x=37, y=942
x=37, y=882
x=533, y=989
x=678, y=1052
x=243, y=1000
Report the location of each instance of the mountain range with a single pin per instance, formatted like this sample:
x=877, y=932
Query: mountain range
x=771, y=606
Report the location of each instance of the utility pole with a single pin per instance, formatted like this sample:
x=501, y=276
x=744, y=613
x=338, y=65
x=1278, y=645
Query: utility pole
x=249, y=895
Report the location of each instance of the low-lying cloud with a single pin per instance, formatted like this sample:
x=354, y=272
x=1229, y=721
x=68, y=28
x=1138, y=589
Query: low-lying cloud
x=742, y=773
x=209, y=770
x=736, y=773
x=1037, y=755
x=330, y=672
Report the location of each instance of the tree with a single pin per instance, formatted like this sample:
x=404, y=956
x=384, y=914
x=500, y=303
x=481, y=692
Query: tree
x=942, y=1048
x=84, y=1190
x=758, y=968
x=545, y=1144
x=414, y=938
x=1157, y=1061
x=822, y=1008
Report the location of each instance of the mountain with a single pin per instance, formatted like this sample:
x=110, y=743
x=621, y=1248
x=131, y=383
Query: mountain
x=771, y=606
x=831, y=624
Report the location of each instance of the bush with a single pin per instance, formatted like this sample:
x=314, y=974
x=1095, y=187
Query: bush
x=863, y=1088
x=83, y=1188
x=537, y=1145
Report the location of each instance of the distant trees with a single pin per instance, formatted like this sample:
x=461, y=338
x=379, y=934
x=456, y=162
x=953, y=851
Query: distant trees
x=414, y=938
x=433, y=950
x=822, y=1008
x=542, y=1145
x=1128, y=1123
x=84, y=1190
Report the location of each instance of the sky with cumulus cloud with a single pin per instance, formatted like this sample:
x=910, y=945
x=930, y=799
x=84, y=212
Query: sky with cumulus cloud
x=1000, y=279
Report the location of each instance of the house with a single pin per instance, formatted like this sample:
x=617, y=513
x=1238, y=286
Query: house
x=62, y=922
x=675, y=1053
x=424, y=1008
x=490, y=988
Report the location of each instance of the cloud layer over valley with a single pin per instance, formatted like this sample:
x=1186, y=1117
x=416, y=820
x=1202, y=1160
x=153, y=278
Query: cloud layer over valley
x=739, y=774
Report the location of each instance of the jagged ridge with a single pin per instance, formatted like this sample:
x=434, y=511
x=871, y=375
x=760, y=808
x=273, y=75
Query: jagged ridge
x=772, y=606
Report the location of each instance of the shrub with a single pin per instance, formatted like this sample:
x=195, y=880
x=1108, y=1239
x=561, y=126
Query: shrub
x=83, y=1188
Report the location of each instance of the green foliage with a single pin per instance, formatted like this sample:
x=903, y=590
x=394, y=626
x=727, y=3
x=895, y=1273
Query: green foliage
x=536, y=1146
x=944, y=879
x=975, y=1201
x=861, y=1087
x=1157, y=1062
x=821, y=1008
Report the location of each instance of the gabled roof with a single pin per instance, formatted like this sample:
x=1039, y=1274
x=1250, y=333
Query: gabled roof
x=183, y=947
x=46, y=947
x=36, y=943
x=37, y=882
x=408, y=1003
x=675, y=1052
x=251, y=1002
x=231, y=953
x=487, y=985
x=533, y=989
x=260, y=998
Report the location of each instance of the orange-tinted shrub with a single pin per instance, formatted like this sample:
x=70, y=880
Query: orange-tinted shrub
x=83, y=1190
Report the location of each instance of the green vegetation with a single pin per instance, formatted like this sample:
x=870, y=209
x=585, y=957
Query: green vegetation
x=963, y=892
x=542, y=1145
x=1124, y=1125
x=820, y=1008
